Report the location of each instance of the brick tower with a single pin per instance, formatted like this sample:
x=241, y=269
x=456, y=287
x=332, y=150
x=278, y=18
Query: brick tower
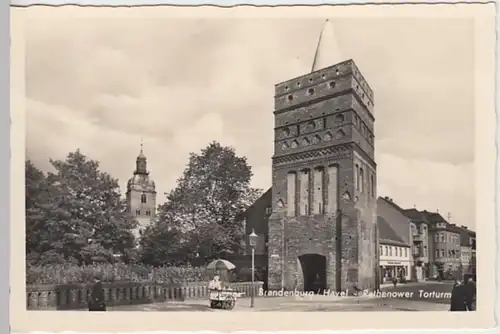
x=141, y=193
x=322, y=232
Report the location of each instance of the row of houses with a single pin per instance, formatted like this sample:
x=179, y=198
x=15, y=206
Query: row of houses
x=418, y=245
x=414, y=245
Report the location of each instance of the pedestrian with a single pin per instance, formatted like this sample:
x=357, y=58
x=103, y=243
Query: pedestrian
x=215, y=284
x=96, y=301
x=457, y=300
x=395, y=281
x=470, y=293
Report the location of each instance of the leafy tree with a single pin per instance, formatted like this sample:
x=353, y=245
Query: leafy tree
x=161, y=242
x=37, y=204
x=213, y=190
x=86, y=220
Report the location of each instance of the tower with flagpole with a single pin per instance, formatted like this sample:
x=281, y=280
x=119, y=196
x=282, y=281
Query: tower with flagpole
x=322, y=230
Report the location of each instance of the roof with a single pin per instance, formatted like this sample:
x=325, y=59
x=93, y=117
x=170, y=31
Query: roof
x=433, y=217
x=266, y=197
x=327, y=50
x=393, y=243
x=391, y=202
x=465, y=235
x=387, y=233
x=413, y=214
x=393, y=224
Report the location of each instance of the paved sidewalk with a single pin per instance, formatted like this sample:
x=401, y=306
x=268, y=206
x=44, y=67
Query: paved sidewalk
x=317, y=303
x=389, y=285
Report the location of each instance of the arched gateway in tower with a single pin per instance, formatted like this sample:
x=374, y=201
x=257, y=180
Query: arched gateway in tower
x=322, y=230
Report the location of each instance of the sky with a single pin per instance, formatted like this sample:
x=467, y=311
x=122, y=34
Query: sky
x=101, y=84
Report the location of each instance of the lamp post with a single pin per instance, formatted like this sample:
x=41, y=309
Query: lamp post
x=252, y=238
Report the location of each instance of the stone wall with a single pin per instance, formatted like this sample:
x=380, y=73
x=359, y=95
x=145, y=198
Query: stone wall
x=75, y=296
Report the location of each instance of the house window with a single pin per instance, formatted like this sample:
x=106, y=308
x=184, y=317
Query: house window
x=143, y=198
x=437, y=252
x=138, y=212
x=437, y=237
x=381, y=250
x=441, y=237
x=390, y=251
x=148, y=212
x=442, y=252
x=269, y=210
x=386, y=251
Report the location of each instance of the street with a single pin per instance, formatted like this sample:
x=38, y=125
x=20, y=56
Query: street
x=426, y=296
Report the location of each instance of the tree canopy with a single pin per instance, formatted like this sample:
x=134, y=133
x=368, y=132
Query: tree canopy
x=199, y=215
x=76, y=214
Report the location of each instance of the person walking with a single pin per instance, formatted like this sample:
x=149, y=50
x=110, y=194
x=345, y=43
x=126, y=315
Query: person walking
x=457, y=300
x=97, y=302
x=395, y=281
x=470, y=293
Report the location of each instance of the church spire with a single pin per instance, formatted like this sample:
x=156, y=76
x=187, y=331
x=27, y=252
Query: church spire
x=141, y=162
x=327, y=51
x=141, y=153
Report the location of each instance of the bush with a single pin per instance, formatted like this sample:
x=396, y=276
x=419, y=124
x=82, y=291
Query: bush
x=121, y=272
x=68, y=273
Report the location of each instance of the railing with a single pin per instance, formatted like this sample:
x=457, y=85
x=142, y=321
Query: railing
x=76, y=296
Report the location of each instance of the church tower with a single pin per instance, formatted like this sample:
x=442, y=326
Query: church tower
x=141, y=193
x=322, y=230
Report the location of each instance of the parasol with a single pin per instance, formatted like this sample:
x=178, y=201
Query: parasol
x=220, y=264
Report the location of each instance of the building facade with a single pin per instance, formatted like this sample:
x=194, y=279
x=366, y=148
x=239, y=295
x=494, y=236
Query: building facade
x=395, y=261
x=141, y=194
x=467, y=251
x=256, y=219
x=444, y=252
x=420, y=246
x=395, y=241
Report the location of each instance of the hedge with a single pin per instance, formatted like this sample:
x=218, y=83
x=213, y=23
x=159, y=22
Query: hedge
x=120, y=272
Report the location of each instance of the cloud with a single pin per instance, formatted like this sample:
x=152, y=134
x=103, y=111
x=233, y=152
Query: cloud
x=101, y=85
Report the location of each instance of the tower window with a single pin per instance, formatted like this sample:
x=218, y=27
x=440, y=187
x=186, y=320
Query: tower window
x=372, y=187
x=138, y=212
x=143, y=198
x=339, y=118
x=361, y=179
x=356, y=177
